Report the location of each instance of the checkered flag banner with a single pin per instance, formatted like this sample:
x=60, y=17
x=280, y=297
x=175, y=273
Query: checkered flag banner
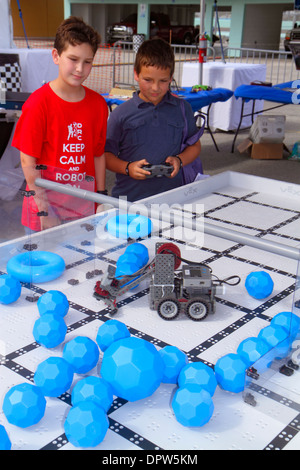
x=10, y=72
x=2, y=92
x=137, y=41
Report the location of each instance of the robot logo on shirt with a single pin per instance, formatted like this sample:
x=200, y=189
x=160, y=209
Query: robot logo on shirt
x=75, y=130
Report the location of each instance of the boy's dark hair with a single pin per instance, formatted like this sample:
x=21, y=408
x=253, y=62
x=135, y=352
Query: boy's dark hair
x=156, y=53
x=75, y=31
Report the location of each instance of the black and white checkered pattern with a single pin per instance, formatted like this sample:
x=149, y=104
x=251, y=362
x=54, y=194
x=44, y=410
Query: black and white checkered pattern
x=10, y=72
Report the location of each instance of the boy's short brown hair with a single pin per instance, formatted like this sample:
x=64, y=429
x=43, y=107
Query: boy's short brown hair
x=156, y=53
x=75, y=31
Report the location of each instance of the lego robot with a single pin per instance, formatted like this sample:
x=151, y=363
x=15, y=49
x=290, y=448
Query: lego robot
x=191, y=289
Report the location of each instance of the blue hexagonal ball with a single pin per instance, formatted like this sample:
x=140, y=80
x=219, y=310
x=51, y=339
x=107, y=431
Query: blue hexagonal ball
x=133, y=367
x=283, y=349
x=10, y=289
x=95, y=389
x=174, y=360
x=111, y=331
x=139, y=250
x=82, y=353
x=273, y=335
x=53, y=301
x=199, y=374
x=5, y=443
x=54, y=376
x=230, y=373
x=86, y=424
x=259, y=284
x=49, y=330
x=127, y=267
x=24, y=405
x=289, y=321
x=192, y=405
x=252, y=349
x=129, y=258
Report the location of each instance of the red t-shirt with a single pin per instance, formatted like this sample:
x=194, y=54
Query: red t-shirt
x=65, y=137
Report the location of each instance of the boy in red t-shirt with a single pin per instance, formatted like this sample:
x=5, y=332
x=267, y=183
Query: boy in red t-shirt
x=63, y=128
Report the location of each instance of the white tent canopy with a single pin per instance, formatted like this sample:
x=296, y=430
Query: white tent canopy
x=6, y=25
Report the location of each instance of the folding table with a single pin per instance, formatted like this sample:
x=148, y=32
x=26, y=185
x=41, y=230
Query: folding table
x=283, y=93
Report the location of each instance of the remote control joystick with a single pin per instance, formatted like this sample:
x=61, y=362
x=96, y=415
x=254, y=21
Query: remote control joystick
x=164, y=169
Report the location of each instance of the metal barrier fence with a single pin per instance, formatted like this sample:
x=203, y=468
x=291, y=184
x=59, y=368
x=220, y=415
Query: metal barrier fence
x=124, y=58
x=280, y=66
x=113, y=65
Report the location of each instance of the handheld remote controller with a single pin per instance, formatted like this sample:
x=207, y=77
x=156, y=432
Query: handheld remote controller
x=164, y=169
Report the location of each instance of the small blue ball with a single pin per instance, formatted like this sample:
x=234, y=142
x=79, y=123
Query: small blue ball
x=5, y=443
x=95, y=389
x=126, y=267
x=273, y=335
x=49, y=330
x=86, y=424
x=54, y=302
x=174, y=360
x=81, y=353
x=252, y=349
x=109, y=332
x=24, y=405
x=54, y=376
x=10, y=289
x=199, y=374
x=259, y=284
x=192, y=405
x=230, y=373
x=289, y=321
x=140, y=251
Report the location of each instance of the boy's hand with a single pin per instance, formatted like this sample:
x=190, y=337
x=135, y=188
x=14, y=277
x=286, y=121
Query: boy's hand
x=136, y=171
x=175, y=162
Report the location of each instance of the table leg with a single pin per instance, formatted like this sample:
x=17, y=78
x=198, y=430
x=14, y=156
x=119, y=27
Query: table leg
x=239, y=126
x=201, y=113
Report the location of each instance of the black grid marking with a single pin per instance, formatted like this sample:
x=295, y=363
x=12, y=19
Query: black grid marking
x=286, y=435
x=261, y=233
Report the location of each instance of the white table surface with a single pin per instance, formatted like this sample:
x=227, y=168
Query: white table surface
x=225, y=116
x=37, y=67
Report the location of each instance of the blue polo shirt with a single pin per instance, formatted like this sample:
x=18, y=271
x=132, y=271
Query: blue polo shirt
x=136, y=130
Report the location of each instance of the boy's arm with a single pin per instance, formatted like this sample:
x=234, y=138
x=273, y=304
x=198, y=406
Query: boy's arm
x=28, y=164
x=132, y=169
x=188, y=155
x=100, y=173
x=100, y=168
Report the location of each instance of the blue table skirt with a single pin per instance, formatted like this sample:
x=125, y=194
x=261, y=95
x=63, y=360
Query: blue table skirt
x=275, y=93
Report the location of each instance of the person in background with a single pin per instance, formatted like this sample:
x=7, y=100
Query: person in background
x=149, y=127
x=62, y=130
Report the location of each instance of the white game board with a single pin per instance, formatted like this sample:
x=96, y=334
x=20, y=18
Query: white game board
x=260, y=208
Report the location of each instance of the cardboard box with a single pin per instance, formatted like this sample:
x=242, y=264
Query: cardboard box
x=268, y=129
x=265, y=151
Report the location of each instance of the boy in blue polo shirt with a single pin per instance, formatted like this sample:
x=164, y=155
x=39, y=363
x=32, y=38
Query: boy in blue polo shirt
x=148, y=128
